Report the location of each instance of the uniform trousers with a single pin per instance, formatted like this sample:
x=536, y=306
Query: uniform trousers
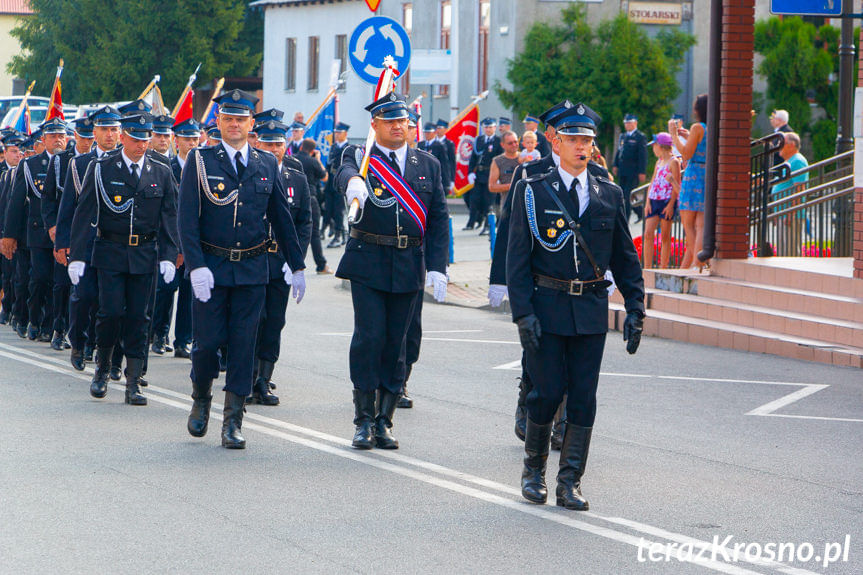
x=411, y=349
x=480, y=200
x=8, y=268
x=317, y=248
x=163, y=308
x=381, y=321
x=273, y=320
x=564, y=364
x=335, y=210
x=123, y=302
x=228, y=319
x=83, y=303
x=41, y=277
x=183, y=318
x=22, y=281
x=60, y=297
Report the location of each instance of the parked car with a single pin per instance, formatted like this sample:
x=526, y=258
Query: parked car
x=12, y=102
x=37, y=115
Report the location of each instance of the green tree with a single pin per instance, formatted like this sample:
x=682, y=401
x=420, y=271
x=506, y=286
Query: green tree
x=615, y=69
x=113, y=49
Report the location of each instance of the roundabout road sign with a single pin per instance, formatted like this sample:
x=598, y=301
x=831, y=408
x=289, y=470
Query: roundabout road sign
x=373, y=40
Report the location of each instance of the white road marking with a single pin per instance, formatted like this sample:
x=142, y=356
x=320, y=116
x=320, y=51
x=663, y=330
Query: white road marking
x=342, y=449
x=514, y=365
x=787, y=400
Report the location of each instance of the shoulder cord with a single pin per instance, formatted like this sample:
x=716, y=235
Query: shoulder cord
x=57, y=172
x=29, y=178
x=76, y=179
x=530, y=208
x=205, y=185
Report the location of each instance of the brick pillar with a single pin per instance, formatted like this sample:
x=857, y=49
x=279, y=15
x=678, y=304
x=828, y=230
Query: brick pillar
x=857, y=240
x=732, y=194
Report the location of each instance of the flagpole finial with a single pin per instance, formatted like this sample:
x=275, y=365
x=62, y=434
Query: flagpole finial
x=157, y=78
x=61, y=62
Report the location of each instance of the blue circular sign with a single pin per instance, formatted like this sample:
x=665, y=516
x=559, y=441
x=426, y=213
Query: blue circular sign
x=372, y=41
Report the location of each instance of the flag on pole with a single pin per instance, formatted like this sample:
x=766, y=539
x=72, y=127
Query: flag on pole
x=463, y=132
x=417, y=107
x=154, y=98
x=55, y=106
x=211, y=117
x=321, y=130
x=23, y=123
x=185, y=109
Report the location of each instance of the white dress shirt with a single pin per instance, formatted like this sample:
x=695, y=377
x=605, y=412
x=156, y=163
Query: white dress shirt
x=581, y=188
x=244, y=153
x=129, y=162
x=401, y=155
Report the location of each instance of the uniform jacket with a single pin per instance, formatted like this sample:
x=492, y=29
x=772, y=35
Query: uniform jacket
x=439, y=151
x=239, y=223
x=147, y=208
x=388, y=268
x=53, y=191
x=631, y=155
x=24, y=207
x=300, y=207
x=74, y=181
x=484, y=151
x=6, y=179
x=540, y=242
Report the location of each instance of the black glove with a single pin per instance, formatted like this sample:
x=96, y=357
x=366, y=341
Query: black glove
x=632, y=328
x=529, y=332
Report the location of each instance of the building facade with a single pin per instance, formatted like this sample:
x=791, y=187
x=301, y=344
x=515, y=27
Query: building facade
x=10, y=13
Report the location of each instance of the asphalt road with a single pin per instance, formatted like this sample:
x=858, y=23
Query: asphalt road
x=691, y=444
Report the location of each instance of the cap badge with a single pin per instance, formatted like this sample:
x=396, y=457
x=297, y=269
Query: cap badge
x=235, y=96
x=580, y=110
x=271, y=125
x=141, y=105
x=142, y=121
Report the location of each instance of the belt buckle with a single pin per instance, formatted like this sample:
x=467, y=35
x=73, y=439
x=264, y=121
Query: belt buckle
x=572, y=287
x=235, y=255
x=402, y=242
x=133, y=240
x=274, y=247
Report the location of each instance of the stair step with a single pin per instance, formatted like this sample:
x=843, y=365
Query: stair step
x=721, y=334
x=824, y=275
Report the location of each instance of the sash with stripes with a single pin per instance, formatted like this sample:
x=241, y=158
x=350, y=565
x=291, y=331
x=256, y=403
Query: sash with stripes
x=401, y=191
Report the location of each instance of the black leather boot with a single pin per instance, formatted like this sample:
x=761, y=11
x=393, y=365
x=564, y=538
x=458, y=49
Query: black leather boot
x=559, y=425
x=4, y=317
x=134, y=366
x=200, y=415
x=384, y=420
x=573, y=458
x=261, y=391
x=77, y=359
x=232, y=421
x=88, y=352
x=520, y=408
x=405, y=401
x=182, y=350
x=158, y=346
x=99, y=387
x=536, y=441
x=57, y=341
x=364, y=417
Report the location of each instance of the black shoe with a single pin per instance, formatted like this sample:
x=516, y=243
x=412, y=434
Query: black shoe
x=334, y=243
x=573, y=458
x=484, y=231
x=44, y=337
x=77, y=359
x=143, y=382
x=21, y=330
x=384, y=420
x=32, y=332
x=4, y=317
x=66, y=344
x=364, y=416
x=99, y=386
x=116, y=373
x=200, y=415
x=158, y=346
x=468, y=227
x=88, y=353
x=223, y=362
x=182, y=351
x=405, y=401
x=134, y=366
x=57, y=341
x=168, y=348
x=536, y=442
x=261, y=390
x=232, y=421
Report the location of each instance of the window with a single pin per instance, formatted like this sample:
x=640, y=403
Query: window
x=290, y=64
x=342, y=55
x=482, y=63
x=407, y=21
x=314, y=58
x=445, y=28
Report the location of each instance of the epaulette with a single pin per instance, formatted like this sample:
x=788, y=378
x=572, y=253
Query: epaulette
x=605, y=180
x=424, y=153
x=160, y=162
x=537, y=177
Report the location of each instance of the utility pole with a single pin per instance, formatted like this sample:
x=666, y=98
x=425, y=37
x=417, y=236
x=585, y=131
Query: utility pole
x=845, y=127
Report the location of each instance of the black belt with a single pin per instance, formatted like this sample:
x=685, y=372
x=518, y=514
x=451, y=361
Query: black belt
x=234, y=255
x=273, y=248
x=400, y=242
x=129, y=240
x=572, y=287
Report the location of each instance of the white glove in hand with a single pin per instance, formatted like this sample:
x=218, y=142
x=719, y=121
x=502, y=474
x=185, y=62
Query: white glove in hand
x=298, y=282
x=610, y=277
x=75, y=271
x=167, y=269
x=357, y=190
x=202, y=282
x=471, y=178
x=286, y=269
x=438, y=280
x=496, y=294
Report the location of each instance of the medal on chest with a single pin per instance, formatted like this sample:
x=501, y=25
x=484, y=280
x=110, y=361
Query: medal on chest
x=290, y=195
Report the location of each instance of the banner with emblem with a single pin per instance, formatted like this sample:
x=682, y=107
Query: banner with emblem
x=463, y=132
x=55, y=106
x=321, y=129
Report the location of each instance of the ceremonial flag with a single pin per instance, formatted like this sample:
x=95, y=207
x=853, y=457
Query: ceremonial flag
x=23, y=123
x=55, y=106
x=16, y=120
x=463, y=132
x=417, y=107
x=321, y=130
x=154, y=98
x=212, y=109
x=211, y=117
x=185, y=109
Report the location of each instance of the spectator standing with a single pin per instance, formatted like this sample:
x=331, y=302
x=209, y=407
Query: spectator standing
x=791, y=226
x=503, y=167
x=529, y=153
x=661, y=201
x=694, y=153
x=779, y=122
x=630, y=161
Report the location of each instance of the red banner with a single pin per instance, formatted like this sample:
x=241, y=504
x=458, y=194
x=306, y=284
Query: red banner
x=184, y=111
x=462, y=132
x=55, y=107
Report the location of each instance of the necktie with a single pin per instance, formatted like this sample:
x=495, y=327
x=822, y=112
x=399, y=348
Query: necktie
x=238, y=164
x=395, y=162
x=135, y=174
x=573, y=193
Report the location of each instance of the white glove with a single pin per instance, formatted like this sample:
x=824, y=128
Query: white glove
x=167, y=269
x=496, y=294
x=610, y=278
x=76, y=271
x=471, y=178
x=298, y=281
x=357, y=191
x=438, y=280
x=202, y=282
x=286, y=269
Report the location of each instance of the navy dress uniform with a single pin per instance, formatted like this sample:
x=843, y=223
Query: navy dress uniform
x=442, y=126
x=278, y=292
x=402, y=232
x=228, y=200
x=11, y=138
x=484, y=150
x=297, y=131
x=630, y=159
x=333, y=199
x=84, y=297
x=214, y=135
x=566, y=230
x=24, y=224
x=132, y=205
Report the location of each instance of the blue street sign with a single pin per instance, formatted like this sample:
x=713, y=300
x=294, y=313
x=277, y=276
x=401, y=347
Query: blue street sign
x=372, y=41
x=824, y=8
